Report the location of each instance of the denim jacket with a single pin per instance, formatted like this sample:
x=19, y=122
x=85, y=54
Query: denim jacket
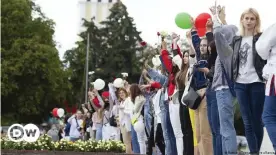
x=158, y=77
x=199, y=79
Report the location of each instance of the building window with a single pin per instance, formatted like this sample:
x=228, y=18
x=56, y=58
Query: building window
x=88, y=0
x=110, y=1
x=99, y=1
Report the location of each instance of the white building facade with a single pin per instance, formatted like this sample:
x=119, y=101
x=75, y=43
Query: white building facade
x=99, y=9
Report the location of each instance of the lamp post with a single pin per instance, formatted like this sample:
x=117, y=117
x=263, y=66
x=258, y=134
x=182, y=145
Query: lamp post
x=86, y=73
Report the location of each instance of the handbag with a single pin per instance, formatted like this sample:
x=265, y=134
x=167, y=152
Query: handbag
x=190, y=97
x=112, y=121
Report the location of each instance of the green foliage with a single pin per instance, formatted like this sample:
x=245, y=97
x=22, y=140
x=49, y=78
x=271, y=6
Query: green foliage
x=122, y=42
x=114, y=48
x=33, y=78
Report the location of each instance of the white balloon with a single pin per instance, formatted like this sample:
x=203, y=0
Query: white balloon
x=139, y=126
x=60, y=112
x=99, y=84
x=118, y=83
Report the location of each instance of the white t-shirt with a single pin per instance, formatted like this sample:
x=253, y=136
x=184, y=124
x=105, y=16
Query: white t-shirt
x=124, y=113
x=247, y=72
x=74, y=132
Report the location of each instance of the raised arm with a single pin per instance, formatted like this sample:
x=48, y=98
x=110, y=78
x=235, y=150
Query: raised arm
x=209, y=31
x=85, y=110
x=266, y=41
x=190, y=42
x=223, y=37
x=101, y=102
x=71, y=119
x=196, y=43
x=156, y=75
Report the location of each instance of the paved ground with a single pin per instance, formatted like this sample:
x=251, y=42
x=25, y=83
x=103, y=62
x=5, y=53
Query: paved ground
x=266, y=148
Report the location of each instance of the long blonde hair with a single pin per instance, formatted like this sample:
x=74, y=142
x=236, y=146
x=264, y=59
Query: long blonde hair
x=257, y=28
x=100, y=114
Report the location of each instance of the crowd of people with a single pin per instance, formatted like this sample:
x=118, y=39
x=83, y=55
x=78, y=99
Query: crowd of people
x=185, y=106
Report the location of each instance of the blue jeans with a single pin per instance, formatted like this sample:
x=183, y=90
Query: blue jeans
x=99, y=133
x=213, y=117
x=251, y=99
x=134, y=141
x=168, y=134
x=148, y=117
x=226, y=119
x=269, y=118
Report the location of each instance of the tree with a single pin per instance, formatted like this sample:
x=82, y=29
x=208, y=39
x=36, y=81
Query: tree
x=76, y=59
x=122, y=41
x=114, y=48
x=33, y=78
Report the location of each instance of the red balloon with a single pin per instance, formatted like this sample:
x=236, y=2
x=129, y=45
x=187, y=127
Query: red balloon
x=55, y=112
x=201, y=32
x=201, y=20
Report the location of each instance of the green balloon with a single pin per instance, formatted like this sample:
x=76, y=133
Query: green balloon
x=183, y=20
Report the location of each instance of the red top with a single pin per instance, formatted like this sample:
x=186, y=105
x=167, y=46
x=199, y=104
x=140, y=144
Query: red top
x=166, y=60
x=156, y=85
x=178, y=51
x=171, y=85
x=167, y=63
x=96, y=102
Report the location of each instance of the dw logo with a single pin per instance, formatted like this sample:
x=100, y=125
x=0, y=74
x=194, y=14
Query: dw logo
x=28, y=133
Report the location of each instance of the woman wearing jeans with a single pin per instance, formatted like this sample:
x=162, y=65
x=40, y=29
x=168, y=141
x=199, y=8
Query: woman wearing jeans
x=223, y=36
x=212, y=107
x=247, y=68
x=168, y=134
x=139, y=100
x=266, y=48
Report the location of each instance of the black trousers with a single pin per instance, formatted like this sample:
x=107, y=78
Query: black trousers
x=186, y=127
x=159, y=139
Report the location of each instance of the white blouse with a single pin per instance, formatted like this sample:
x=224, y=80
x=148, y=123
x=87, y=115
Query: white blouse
x=125, y=111
x=266, y=48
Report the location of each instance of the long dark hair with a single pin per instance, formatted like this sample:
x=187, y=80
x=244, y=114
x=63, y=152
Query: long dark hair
x=207, y=55
x=184, y=69
x=134, y=91
x=212, y=54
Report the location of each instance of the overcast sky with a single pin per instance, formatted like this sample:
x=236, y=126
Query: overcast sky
x=150, y=16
